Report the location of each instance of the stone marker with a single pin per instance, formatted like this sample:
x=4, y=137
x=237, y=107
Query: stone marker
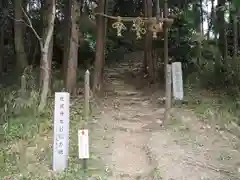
x=177, y=81
x=61, y=131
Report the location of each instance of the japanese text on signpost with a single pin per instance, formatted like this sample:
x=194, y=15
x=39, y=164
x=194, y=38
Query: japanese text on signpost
x=61, y=131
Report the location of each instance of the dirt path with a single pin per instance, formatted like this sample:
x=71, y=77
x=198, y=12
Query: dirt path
x=132, y=144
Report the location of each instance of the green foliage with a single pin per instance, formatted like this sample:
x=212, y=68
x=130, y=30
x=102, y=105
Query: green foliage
x=236, y=3
x=19, y=115
x=211, y=71
x=183, y=44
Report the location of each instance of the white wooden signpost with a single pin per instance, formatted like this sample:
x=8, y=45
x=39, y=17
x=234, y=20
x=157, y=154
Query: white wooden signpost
x=177, y=81
x=61, y=131
x=83, y=144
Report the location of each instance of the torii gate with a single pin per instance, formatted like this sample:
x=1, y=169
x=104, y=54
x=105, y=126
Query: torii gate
x=156, y=24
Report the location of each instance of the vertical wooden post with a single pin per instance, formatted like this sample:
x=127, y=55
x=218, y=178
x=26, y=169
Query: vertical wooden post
x=86, y=107
x=167, y=67
x=168, y=91
x=87, y=95
x=148, y=44
x=23, y=86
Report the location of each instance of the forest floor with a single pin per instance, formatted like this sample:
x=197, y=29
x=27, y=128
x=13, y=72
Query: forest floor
x=131, y=141
x=127, y=139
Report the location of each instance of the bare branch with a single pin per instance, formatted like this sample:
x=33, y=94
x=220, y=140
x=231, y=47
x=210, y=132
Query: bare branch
x=50, y=25
x=29, y=23
x=25, y=23
x=19, y=20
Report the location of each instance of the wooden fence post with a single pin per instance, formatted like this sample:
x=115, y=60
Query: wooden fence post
x=86, y=107
x=168, y=101
x=23, y=86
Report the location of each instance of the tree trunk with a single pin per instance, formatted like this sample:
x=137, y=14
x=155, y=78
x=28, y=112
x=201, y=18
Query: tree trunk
x=99, y=56
x=221, y=27
x=235, y=36
x=67, y=34
x=148, y=44
x=19, y=36
x=198, y=22
x=46, y=14
x=208, y=22
x=238, y=24
x=201, y=17
x=145, y=59
x=71, y=78
x=1, y=42
x=214, y=22
x=35, y=53
x=211, y=20
x=1, y=48
x=45, y=44
x=106, y=8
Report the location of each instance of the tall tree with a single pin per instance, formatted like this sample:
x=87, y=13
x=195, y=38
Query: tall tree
x=197, y=8
x=235, y=33
x=99, y=56
x=1, y=48
x=212, y=20
x=67, y=34
x=46, y=8
x=45, y=43
x=221, y=28
x=72, y=64
x=2, y=20
x=19, y=35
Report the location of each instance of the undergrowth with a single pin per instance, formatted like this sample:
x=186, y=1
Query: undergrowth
x=215, y=107
x=26, y=139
